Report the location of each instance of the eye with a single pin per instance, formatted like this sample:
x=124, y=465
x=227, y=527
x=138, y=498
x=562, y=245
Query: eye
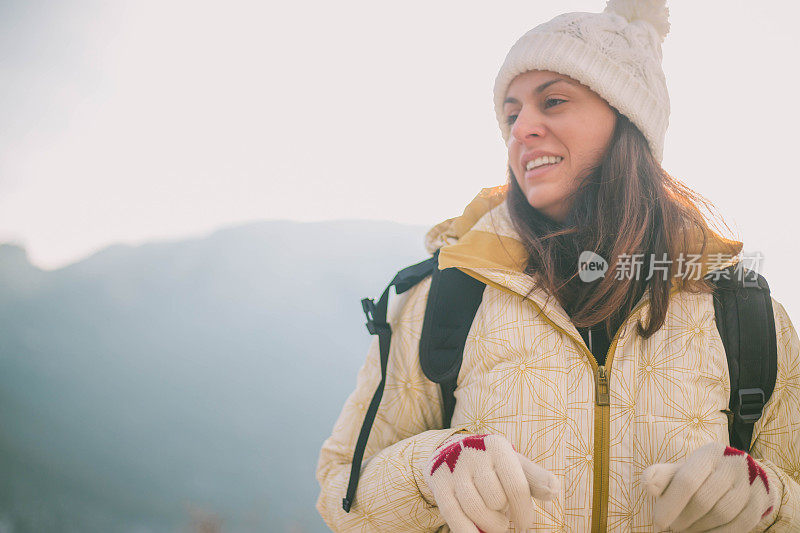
x=548, y=103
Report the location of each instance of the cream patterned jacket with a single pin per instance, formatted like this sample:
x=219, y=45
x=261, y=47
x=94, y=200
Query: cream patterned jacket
x=529, y=376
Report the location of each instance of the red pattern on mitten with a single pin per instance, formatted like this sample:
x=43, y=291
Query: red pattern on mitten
x=450, y=453
x=753, y=468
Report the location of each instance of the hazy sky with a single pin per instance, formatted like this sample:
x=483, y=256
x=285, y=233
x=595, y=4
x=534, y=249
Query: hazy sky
x=132, y=120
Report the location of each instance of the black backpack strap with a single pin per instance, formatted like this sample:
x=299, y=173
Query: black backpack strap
x=453, y=300
x=377, y=325
x=743, y=310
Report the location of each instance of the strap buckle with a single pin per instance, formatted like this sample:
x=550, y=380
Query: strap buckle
x=751, y=405
x=374, y=328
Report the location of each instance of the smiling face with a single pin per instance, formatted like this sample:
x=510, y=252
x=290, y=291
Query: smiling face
x=554, y=118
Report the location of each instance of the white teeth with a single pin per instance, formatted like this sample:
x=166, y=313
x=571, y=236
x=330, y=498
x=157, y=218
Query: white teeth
x=544, y=160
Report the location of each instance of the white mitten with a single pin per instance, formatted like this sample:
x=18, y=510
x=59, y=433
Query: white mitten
x=475, y=477
x=717, y=487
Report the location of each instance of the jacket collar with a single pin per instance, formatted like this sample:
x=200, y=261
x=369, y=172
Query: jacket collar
x=483, y=243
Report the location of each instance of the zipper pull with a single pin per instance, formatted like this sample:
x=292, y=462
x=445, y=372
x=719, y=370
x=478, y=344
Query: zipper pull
x=602, y=386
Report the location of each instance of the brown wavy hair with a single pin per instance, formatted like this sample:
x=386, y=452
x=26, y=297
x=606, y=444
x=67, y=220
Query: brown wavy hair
x=627, y=204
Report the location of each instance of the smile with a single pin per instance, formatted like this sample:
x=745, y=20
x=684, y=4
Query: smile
x=542, y=169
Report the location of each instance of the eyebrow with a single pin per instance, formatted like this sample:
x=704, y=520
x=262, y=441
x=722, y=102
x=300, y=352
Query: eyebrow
x=539, y=89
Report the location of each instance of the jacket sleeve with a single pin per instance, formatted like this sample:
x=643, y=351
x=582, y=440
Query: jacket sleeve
x=777, y=433
x=392, y=494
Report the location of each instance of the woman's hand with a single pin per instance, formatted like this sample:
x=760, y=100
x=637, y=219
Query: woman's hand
x=717, y=486
x=475, y=477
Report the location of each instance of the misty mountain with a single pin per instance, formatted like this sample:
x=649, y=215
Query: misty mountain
x=148, y=387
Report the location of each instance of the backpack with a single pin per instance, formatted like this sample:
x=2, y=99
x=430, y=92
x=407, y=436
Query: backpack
x=742, y=308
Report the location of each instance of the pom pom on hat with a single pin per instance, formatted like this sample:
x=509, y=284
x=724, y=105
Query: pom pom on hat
x=655, y=12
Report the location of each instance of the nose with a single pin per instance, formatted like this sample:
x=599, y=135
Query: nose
x=529, y=124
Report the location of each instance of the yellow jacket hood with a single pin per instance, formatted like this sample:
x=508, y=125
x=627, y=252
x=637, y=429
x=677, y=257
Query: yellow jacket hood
x=483, y=237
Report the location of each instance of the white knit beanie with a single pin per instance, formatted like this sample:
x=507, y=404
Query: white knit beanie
x=616, y=53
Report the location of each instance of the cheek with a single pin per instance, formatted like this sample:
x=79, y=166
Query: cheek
x=595, y=134
x=590, y=143
x=514, y=153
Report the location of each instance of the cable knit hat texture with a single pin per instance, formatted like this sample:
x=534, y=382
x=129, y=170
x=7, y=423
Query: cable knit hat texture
x=616, y=53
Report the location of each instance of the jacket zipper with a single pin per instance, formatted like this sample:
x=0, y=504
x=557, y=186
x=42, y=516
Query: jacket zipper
x=601, y=449
x=602, y=422
x=602, y=386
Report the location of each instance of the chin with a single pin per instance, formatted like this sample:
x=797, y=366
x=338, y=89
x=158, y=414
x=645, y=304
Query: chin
x=539, y=202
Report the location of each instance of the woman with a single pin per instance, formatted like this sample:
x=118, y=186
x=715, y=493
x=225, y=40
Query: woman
x=580, y=405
